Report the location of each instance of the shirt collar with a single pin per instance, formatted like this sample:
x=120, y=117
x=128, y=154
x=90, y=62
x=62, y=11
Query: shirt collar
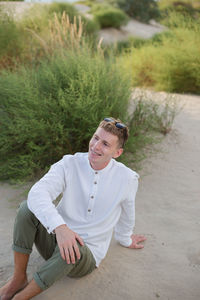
x=108, y=167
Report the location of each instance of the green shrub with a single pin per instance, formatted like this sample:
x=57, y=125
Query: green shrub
x=9, y=34
x=151, y=117
x=172, y=63
x=59, y=8
x=90, y=25
x=142, y=10
x=183, y=7
x=39, y=16
x=123, y=47
x=108, y=16
x=12, y=40
x=54, y=109
x=26, y=40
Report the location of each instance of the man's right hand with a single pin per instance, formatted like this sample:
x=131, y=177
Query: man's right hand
x=67, y=243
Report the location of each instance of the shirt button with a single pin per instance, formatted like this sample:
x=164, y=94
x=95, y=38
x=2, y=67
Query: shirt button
x=95, y=182
x=92, y=197
x=89, y=210
x=96, y=172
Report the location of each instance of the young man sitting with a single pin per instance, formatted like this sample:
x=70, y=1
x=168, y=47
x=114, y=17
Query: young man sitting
x=98, y=197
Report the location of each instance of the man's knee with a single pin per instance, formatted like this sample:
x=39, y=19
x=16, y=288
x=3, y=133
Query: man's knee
x=25, y=228
x=24, y=214
x=23, y=208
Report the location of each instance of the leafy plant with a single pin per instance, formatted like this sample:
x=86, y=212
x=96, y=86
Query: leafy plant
x=11, y=39
x=108, y=16
x=187, y=8
x=151, y=117
x=38, y=17
x=170, y=62
x=53, y=109
x=142, y=10
x=27, y=40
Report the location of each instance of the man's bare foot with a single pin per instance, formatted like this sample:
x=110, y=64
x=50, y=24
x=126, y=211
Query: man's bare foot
x=12, y=287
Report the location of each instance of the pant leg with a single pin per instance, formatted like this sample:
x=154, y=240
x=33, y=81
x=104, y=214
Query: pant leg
x=28, y=230
x=55, y=267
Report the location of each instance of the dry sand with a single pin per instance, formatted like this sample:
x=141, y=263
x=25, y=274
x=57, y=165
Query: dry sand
x=168, y=206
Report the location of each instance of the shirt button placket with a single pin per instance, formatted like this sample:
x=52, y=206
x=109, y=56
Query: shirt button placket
x=94, y=188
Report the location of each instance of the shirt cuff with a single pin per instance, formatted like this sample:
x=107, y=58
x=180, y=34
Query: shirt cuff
x=52, y=222
x=125, y=241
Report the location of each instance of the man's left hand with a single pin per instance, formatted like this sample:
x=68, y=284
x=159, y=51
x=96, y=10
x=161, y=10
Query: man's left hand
x=135, y=240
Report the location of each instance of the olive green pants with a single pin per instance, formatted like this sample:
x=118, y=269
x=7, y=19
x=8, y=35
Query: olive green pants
x=28, y=230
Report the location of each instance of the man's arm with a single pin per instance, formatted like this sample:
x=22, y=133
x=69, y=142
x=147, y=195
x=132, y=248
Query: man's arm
x=44, y=192
x=40, y=200
x=124, y=228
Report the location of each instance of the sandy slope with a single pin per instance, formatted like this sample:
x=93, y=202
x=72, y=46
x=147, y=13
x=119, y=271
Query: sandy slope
x=168, y=206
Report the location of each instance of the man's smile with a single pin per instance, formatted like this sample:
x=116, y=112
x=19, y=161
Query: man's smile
x=95, y=153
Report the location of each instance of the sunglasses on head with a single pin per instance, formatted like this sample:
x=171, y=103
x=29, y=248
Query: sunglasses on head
x=117, y=124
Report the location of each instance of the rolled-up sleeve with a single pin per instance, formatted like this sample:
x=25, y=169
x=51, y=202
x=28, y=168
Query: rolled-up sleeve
x=124, y=227
x=44, y=192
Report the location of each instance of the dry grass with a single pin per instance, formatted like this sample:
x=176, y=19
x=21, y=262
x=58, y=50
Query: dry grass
x=64, y=34
x=60, y=34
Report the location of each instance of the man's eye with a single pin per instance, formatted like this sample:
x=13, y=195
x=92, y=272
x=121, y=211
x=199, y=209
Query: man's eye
x=105, y=144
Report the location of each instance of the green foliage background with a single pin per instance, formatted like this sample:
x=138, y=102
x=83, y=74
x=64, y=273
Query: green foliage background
x=108, y=16
x=169, y=61
x=55, y=108
x=57, y=85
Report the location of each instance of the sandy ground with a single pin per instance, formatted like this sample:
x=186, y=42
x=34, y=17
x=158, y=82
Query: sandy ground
x=134, y=28
x=168, y=206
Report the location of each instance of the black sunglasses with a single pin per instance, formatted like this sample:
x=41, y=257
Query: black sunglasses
x=117, y=124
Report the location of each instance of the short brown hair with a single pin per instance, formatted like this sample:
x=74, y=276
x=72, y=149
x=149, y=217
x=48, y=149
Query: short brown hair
x=121, y=133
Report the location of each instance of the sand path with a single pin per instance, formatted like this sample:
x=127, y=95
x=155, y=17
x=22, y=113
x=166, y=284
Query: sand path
x=168, y=206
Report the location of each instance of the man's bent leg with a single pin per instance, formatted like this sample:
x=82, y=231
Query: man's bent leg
x=19, y=279
x=31, y=230
x=55, y=267
x=31, y=290
x=27, y=230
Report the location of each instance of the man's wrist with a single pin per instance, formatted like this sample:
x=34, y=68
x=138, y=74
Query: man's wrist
x=59, y=227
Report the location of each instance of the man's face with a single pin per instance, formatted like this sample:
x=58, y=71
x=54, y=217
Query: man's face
x=102, y=147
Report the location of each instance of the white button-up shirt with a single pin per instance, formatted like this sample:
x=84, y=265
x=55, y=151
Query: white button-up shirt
x=93, y=202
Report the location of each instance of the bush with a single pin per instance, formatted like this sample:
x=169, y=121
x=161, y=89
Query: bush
x=54, y=109
x=26, y=41
x=184, y=7
x=90, y=26
x=11, y=39
x=142, y=10
x=108, y=16
x=38, y=17
x=151, y=116
x=172, y=63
